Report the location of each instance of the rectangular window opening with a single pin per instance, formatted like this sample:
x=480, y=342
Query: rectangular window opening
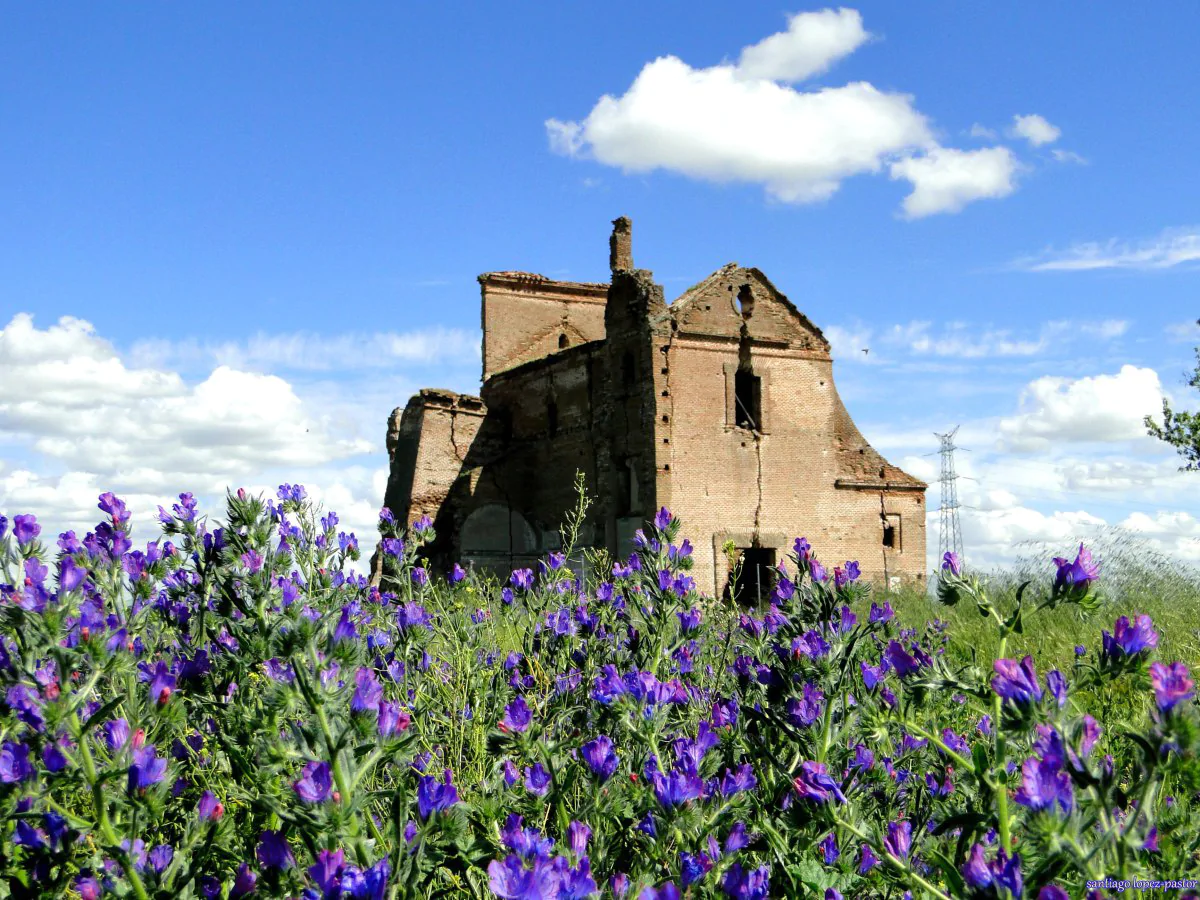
x=747, y=400
x=891, y=532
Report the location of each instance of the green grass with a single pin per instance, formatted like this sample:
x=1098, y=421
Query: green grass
x=1133, y=579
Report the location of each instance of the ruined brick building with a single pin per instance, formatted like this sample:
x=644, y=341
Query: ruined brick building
x=720, y=406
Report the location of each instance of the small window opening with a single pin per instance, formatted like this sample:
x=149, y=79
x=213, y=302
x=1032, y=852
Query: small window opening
x=552, y=418
x=627, y=486
x=562, y=341
x=891, y=532
x=756, y=578
x=745, y=301
x=747, y=400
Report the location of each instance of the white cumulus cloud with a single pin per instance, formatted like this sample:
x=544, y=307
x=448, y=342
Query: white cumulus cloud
x=744, y=122
x=1094, y=408
x=1035, y=129
x=945, y=180
x=78, y=420
x=813, y=42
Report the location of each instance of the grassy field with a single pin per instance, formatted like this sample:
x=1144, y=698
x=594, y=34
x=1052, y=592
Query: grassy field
x=1133, y=579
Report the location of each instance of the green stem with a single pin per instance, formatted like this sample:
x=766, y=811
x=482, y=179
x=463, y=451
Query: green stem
x=101, y=807
x=999, y=775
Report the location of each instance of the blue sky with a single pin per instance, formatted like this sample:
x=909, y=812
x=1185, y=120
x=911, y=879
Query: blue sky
x=288, y=205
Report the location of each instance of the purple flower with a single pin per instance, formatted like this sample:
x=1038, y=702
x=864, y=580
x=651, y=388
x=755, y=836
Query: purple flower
x=327, y=872
x=1129, y=639
x=434, y=796
x=600, y=757
x=746, y=884
x=1001, y=873
x=1044, y=783
x=1091, y=734
x=864, y=757
x=676, y=787
x=689, y=621
x=511, y=879
x=392, y=720
x=1080, y=650
x=693, y=868
x=813, y=783
x=457, y=574
x=110, y=505
x=667, y=891
x=829, y=849
x=899, y=659
x=419, y=576
x=878, y=615
x=160, y=857
x=162, y=683
x=368, y=692
x=867, y=860
x=517, y=716
x=1057, y=686
x=662, y=519
x=805, y=711
x=816, y=571
x=244, y=882
x=578, y=835
x=522, y=579
x=1074, y=578
x=1053, y=892
x=70, y=576
x=1172, y=684
x=116, y=734
x=537, y=780
x=899, y=838
x=848, y=575
x=1015, y=681
x=15, y=763
x=736, y=840
x=25, y=529
x=147, y=769
x=210, y=808
x=273, y=851
x=737, y=780
x=315, y=783
x=27, y=704
x=951, y=564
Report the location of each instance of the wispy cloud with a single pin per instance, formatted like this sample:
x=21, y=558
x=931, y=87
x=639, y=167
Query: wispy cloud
x=1173, y=247
x=317, y=352
x=959, y=340
x=1183, y=331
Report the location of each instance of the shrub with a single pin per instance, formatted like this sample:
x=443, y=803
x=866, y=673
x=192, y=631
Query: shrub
x=230, y=713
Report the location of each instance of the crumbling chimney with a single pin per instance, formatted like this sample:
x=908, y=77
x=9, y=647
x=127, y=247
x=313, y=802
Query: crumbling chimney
x=620, y=245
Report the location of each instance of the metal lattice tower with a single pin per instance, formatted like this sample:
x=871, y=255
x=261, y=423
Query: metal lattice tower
x=950, y=537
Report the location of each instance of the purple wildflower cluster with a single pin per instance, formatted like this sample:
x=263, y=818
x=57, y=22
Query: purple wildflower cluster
x=230, y=712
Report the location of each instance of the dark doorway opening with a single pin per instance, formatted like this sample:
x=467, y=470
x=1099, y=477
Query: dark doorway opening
x=756, y=579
